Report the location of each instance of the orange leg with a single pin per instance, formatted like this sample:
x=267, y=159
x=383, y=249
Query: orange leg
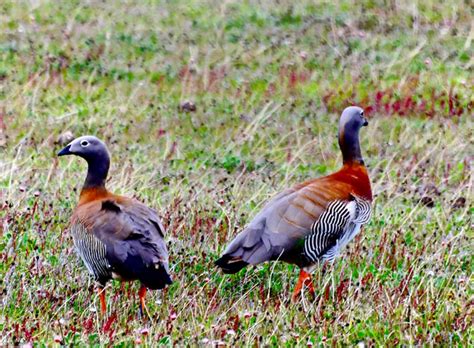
x=141, y=295
x=103, y=305
x=303, y=280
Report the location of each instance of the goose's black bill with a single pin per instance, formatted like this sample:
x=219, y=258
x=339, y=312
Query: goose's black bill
x=65, y=151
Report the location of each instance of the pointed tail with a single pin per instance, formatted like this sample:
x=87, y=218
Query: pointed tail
x=230, y=265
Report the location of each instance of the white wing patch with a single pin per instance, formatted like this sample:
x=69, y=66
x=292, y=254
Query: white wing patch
x=335, y=228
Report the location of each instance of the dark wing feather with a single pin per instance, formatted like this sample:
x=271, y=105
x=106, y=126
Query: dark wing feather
x=133, y=236
x=111, y=206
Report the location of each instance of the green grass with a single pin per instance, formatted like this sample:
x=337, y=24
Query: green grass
x=269, y=81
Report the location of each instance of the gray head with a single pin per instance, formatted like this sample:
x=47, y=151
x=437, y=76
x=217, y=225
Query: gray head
x=95, y=152
x=87, y=147
x=352, y=120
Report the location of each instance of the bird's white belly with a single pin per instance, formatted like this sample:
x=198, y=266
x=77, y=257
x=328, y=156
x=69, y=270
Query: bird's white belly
x=348, y=236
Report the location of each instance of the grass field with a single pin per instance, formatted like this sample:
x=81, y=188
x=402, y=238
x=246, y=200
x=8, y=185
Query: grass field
x=268, y=81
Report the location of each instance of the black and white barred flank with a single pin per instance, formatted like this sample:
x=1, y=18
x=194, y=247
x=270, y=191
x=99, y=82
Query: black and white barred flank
x=326, y=230
x=336, y=227
x=363, y=210
x=92, y=251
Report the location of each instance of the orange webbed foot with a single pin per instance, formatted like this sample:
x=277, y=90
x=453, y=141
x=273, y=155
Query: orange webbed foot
x=141, y=295
x=103, y=304
x=303, y=280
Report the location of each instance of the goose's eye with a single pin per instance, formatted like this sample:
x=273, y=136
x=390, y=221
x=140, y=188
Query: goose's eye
x=84, y=143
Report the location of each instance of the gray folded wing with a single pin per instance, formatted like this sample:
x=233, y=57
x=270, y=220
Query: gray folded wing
x=283, y=222
x=133, y=237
